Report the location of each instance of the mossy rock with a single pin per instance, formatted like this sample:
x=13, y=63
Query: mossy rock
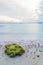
x=14, y=49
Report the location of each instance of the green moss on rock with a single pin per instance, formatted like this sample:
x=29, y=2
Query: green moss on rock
x=14, y=49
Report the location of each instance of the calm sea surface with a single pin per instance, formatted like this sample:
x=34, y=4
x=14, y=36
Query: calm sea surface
x=20, y=31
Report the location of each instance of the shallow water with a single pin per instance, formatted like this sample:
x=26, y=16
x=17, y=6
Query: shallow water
x=20, y=31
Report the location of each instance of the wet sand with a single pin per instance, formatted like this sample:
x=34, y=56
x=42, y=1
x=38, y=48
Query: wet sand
x=33, y=53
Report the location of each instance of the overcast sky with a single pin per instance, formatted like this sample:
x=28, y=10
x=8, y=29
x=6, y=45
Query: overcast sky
x=21, y=10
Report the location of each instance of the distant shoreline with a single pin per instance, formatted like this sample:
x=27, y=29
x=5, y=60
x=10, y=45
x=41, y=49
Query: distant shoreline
x=2, y=22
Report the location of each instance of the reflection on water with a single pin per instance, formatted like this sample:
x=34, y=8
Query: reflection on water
x=33, y=28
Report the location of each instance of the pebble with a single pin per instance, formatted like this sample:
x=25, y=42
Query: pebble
x=0, y=46
x=38, y=56
x=27, y=50
x=33, y=57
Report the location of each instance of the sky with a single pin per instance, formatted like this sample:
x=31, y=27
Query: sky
x=21, y=10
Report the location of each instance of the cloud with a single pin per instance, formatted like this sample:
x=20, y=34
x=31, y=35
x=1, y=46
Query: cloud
x=26, y=10
x=41, y=9
x=9, y=19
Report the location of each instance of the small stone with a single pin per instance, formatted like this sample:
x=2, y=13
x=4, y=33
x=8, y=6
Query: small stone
x=35, y=63
x=0, y=46
x=38, y=56
x=14, y=62
x=33, y=57
x=27, y=50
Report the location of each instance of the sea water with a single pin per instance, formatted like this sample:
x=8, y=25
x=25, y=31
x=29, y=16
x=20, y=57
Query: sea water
x=12, y=31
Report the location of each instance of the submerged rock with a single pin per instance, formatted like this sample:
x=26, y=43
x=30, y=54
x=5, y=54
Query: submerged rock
x=13, y=49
